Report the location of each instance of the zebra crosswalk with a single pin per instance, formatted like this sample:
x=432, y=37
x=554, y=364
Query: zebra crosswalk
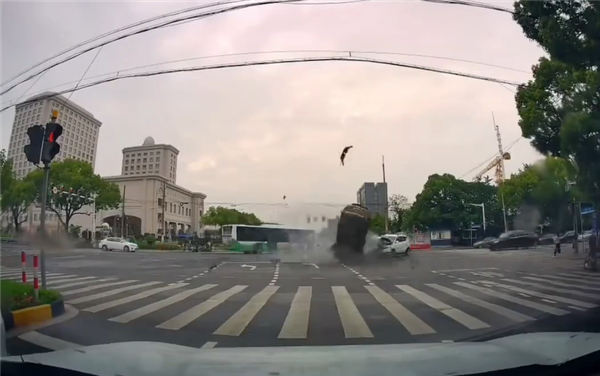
x=477, y=303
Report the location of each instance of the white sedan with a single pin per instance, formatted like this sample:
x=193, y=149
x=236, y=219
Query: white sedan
x=119, y=244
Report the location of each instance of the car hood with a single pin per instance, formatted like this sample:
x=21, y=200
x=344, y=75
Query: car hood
x=428, y=359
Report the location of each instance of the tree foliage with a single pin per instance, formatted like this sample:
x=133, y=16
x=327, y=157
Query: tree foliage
x=78, y=176
x=377, y=224
x=560, y=108
x=399, y=205
x=222, y=216
x=446, y=203
x=17, y=200
x=6, y=172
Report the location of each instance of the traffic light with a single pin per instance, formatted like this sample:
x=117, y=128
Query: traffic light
x=36, y=141
x=51, y=146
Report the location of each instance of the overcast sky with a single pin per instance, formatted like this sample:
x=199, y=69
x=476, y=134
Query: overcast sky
x=254, y=134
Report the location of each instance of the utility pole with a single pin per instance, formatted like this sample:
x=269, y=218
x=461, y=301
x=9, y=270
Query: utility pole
x=386, y=214
x=43, y=222
x=123, y=212
x=162, y=225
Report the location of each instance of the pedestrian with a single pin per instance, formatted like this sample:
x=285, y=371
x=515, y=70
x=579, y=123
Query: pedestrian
x=557, y=244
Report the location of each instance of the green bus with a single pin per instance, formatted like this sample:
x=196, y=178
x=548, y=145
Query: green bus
x=257, y=239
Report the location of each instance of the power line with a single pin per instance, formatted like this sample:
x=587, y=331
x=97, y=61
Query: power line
x=180, y=21
x=353, y=52
x=273, y=62
x=117, y=31
x=150, y=28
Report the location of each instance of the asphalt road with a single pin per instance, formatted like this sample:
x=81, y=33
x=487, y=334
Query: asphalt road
x=223, y=300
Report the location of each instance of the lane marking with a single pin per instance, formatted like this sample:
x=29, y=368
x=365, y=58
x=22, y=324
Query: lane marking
x=353, y=323
x=513, y=315
x=296, y=321
x=131, y=298
x=209, y=345
x=275, y=275
x=409, y=320
x=193, y=313
x=82, y=283
x=236, y=324
x=143, y=311
x=110, y=293
x=514, y=299
x=457, y=315
x=544, y=296
x=95, y=287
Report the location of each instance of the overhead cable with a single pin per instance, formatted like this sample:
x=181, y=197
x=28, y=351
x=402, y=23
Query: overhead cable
x=273, y=62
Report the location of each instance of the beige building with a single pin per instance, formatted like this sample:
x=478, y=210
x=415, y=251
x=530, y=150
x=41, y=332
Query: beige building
x=147, y=180
x=143, y=207
x=150, y=159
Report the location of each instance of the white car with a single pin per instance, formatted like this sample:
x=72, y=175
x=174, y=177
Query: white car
x=119, y=244
x=400, y=245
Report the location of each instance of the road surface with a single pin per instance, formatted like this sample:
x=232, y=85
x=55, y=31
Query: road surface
x=220, y=300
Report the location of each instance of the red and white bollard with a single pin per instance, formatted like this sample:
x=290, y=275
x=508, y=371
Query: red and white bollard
x=23, y=267
x=36, y=283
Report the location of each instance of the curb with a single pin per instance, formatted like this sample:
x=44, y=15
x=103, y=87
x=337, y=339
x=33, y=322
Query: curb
x=34, y=315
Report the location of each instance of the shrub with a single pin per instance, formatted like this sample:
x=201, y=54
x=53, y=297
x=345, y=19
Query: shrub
x=16, y=295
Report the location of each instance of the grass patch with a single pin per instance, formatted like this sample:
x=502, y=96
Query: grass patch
x=16, y=295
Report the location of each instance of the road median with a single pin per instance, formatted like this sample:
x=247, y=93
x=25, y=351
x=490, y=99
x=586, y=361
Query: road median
x=20, y=308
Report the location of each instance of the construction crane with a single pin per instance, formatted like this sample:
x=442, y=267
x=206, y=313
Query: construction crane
x=498, y=163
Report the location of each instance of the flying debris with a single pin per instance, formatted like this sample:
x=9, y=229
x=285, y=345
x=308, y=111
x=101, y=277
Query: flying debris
x=284, y=197
x=344, y=152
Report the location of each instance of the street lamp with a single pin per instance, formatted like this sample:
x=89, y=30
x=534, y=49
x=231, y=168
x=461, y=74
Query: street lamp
x=482, y=206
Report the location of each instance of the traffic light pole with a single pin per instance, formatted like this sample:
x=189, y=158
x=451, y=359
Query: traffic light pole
x=44, y=199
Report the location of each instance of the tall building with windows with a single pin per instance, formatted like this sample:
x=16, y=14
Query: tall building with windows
x=374, y=196
x=78, y=141
x=151, y=159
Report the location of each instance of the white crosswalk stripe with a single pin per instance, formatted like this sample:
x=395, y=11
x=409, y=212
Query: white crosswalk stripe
x=475, y=303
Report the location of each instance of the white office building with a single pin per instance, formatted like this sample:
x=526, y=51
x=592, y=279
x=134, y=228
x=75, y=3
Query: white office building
x=78, y=141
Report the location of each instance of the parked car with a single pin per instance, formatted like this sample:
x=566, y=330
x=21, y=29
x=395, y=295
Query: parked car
x=568, y=237
x=514, y=239
x=485, y=243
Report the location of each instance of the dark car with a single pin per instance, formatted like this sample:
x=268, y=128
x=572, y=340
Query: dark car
x=546, y=239
x=515, y=240
x=485, y=243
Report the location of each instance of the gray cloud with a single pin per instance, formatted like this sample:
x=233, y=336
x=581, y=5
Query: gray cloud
x=254, y=134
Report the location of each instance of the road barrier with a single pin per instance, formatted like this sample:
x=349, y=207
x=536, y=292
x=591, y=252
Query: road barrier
x=23, y=267
x=36, y=283
x=420, y=241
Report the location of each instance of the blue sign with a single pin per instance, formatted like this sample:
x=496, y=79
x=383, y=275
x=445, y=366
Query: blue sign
x=587, y=209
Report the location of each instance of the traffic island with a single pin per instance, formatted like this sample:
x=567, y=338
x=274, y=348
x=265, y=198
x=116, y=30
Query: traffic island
x=20, y=308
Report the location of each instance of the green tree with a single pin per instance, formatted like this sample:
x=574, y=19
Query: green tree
x=447, y=202
x=377, y=224
x=560, y=108
x=6, y=172
x=221, y=216
x=398, y=206
x=78, y=176
x=541, y=186
x=17, y=199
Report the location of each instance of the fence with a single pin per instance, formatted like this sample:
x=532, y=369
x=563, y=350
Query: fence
x=420, y=241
